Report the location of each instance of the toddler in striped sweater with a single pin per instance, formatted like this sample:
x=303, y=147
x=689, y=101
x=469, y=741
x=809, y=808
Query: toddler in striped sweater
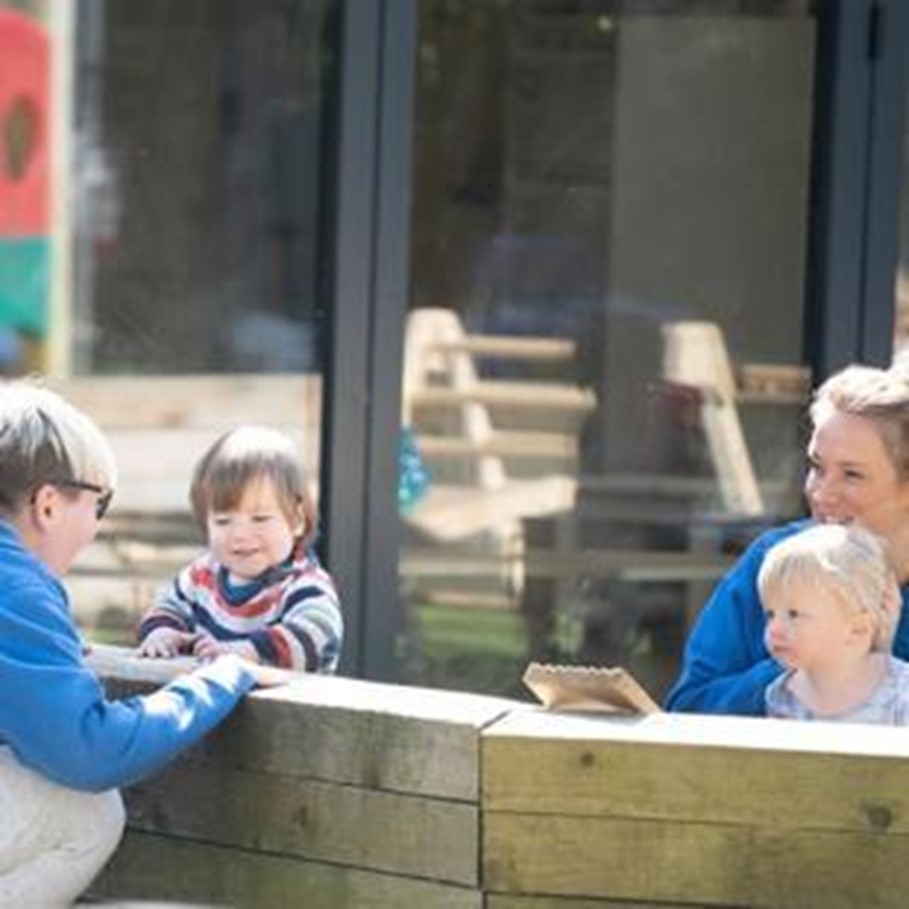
x=258, y=590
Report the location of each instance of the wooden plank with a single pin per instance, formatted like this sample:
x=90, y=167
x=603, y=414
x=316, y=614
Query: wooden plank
x=828, y=869
x=387, y=737
x=694, y=353
x=395, y=738
x=773, y=383
x=771, y=396
x=704, y=864
x=537, y=396
x=731, y=458
x=158, y=869
x=686, y=768
x=513, y=901
x=431, y=838
x=135, y=401
x=602, y=798
x=510, y=347
x=455, y=512
x=616, y=858
x=523, y=445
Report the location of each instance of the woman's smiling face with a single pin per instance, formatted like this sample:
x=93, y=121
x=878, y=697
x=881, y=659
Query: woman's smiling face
x=851, y=475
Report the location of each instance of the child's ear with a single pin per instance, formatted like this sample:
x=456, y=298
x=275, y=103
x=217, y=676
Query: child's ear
x=862, y=628
x=300, y=522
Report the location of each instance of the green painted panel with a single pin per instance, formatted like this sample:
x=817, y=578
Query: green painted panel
x=24, y=284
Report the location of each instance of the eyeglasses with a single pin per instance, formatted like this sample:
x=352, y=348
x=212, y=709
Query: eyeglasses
x=104, y=495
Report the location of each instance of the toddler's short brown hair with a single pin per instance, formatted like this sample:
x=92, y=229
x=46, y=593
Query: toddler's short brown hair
x=242, y=456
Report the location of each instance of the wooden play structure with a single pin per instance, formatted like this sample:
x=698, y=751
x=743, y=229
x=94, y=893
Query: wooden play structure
x=337, y=794
x=442, y=373
x=695, y=355
x=501, y=448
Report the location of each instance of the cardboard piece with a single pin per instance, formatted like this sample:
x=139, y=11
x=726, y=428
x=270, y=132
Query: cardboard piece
x=588, y=688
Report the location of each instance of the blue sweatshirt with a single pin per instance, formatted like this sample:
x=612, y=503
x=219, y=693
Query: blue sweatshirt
x=53, y=710
x=726, y=665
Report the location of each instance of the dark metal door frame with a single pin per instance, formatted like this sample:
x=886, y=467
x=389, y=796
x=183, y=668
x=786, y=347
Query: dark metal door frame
x=856, y=181
x=369, y=286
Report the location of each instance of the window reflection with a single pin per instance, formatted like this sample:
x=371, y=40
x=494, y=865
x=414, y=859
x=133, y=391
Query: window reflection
x=604, y=344
x=202, y=144
x=187, y=214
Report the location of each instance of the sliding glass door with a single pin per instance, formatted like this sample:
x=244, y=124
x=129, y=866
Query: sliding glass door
x=603, y=365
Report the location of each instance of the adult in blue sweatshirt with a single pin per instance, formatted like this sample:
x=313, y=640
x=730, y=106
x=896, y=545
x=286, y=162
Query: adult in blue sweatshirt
x=64, y=747
x=858, y=470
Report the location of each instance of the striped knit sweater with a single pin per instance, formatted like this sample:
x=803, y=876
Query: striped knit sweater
x=290, y=614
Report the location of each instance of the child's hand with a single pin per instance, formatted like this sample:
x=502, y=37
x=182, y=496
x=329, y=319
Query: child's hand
x=166, y=643
x=205, y=647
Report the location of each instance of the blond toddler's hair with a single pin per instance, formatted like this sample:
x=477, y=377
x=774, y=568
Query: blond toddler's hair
x=846, y=560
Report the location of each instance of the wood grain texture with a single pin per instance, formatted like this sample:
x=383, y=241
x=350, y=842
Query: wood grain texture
x=512, y=901
x=704, y=864
x=335, y=792
x=614, y=858
x=213, y=401
x=671, y=767
x=160, y=869
x=346, y=825
x=380, y=736
x=709, y=811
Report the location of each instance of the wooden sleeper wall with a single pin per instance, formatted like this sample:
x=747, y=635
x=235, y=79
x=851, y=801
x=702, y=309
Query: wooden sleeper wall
x=329, y=793
x=341, y=793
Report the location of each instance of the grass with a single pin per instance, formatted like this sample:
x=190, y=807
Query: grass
x=468, y=650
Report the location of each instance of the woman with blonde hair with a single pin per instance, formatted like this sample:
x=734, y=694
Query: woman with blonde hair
x=858, y=472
